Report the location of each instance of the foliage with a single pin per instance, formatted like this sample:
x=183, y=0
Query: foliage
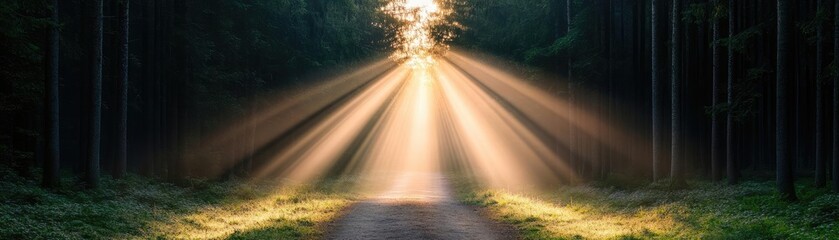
x=239, y=48
x=708, y=12
x=740, y=41
x=508, y=28
x=747, y=93
x=698, y=13
x=750, y=210
x=137, y=207
x=746, y=96
x=213, y=58
x=22, y=28
x=532, y=32
x=809, y=28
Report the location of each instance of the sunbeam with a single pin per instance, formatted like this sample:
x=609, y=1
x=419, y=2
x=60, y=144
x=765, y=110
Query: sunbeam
x=419, y=119
x=396, y=127
x=387, y=124
x=415, y=43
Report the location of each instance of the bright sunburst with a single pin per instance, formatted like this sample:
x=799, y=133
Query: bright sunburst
x=415, y=42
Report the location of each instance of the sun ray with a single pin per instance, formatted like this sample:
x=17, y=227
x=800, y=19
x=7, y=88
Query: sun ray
x=415, y=43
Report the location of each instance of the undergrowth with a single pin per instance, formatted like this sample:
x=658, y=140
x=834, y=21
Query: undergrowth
x=750, y=210
x=141, y=208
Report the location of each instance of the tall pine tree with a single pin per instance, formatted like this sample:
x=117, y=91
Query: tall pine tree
x=784, y=69
x=95, y=98
x=51, y=110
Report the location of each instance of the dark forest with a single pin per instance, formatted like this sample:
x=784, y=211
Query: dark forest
x=419, y=119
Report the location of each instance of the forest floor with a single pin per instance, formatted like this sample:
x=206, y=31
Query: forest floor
x=416, y=206
x=140, y=208
x=750, y=210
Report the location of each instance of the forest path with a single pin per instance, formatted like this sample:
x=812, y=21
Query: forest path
x=449, y=117
x=414, y=137
x=395, y=133
x=418, y=205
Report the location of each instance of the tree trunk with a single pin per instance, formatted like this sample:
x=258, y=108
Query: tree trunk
x=717, y=123
x=676, y=161
x=52, y=159
x=656, y=76
x=149, y=161
x=607, y=158
x=572, y=126
x=835, y=171
x=784, y=158
x=821, y=179
x=122, y=92
x=731, y=159
x=178, y=170
x=95, y=104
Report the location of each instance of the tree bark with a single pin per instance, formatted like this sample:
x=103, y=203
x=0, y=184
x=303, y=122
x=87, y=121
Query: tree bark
x=572, y=126
x=656, y=75
x=820, y=157
x=784, y=159
x=731, y=159
x=676, y=161
x=122, y=92
x=52, y=159
x=607, y=158
x=717, y=122
x=95, y=104
x=150, y=109
x=835, y=171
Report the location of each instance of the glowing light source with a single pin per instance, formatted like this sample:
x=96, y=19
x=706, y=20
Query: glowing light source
x=415, y=43
x=428, y=5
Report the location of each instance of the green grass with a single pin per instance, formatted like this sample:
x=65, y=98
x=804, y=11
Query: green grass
x=139, y=208
x=750, y=210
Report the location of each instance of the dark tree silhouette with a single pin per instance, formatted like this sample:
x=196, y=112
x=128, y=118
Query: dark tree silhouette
x=610, y=78
x=835, y=171
x=51, y=106
x=731, y=159
x=572, y=133
x=656, y=84
x=783, y=144
x=122, y=92
x=676, y=161
x=95, y=98
x=820, y=157
x=718, y=124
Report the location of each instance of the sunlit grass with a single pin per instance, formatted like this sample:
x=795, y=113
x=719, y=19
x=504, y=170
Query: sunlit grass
x=541, y=219
x=139, y=208
x=281, y=214
x=707, y=211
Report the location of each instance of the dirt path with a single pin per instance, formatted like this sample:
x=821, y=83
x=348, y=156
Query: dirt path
x=417, y=206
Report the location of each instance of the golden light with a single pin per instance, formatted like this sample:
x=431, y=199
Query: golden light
x=415, y=43
x=397, y=128
x=425, y=5
x=398, y=131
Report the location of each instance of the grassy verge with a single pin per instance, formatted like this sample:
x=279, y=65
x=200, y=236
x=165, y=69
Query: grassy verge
x=139, y=208
x=750, y=210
